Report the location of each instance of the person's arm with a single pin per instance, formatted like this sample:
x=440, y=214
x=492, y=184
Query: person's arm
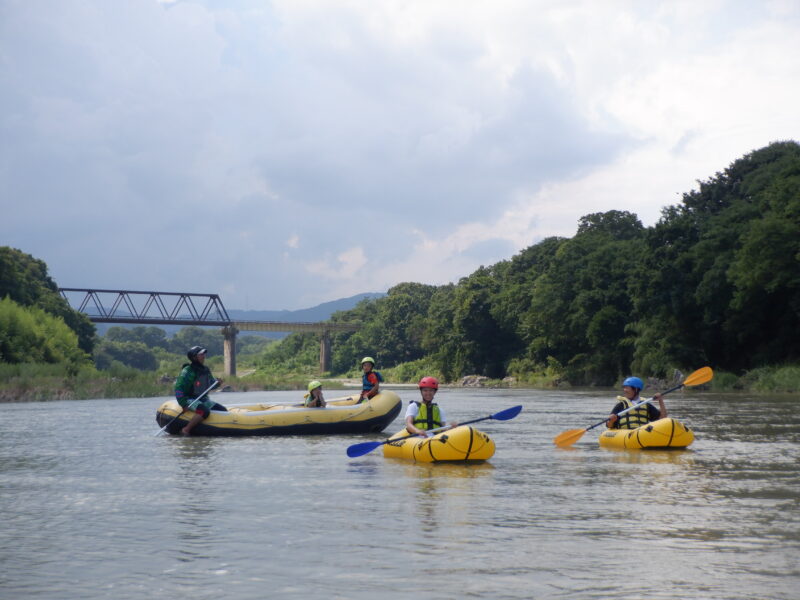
x=662, y=408
x=613, y=417
x=182, y=384
x=445, y=422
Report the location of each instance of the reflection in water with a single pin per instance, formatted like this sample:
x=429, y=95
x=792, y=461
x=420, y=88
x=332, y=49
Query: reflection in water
x=443, y=488
x=194, y=470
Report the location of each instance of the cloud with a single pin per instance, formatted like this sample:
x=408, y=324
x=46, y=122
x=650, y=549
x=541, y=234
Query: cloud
x=293, y=152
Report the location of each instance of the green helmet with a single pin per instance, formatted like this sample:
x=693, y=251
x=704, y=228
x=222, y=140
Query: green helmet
x=314, y=385
x=368, y=359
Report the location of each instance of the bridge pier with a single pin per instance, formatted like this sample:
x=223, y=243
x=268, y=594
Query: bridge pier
x=325, y=352
x=201, y=310
x=229, y=348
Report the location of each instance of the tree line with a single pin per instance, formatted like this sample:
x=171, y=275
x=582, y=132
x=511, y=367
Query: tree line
x=715, y=281
x=37, y=325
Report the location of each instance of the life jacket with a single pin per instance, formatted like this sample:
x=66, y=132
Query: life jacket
x=365, y=383
x=203, y=379
x=635, y=418
x=427, y=419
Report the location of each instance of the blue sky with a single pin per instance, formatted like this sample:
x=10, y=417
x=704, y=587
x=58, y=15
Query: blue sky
x=288, y=153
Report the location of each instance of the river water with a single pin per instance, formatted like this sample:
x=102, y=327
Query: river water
x=95, y=506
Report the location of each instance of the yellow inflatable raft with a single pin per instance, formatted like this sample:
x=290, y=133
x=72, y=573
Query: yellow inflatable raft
x=664, y=433
x=463, y=444
x=342, y=415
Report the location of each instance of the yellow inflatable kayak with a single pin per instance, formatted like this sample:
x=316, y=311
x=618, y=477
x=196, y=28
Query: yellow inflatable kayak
x=664, y=433
x=463, y=443
x=342, y=415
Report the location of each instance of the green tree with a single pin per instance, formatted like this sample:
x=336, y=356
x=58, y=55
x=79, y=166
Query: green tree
x=28, y=334
x=24, y=279
x=210, y=339
x=581, y=306
x=131, y=354
x=152, y=337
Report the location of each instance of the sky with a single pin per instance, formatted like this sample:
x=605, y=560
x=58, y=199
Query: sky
x=291, y=152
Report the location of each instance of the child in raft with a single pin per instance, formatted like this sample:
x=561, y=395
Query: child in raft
x=314, y=399
x=370, y=381
x=642, y=415
x=426, y=415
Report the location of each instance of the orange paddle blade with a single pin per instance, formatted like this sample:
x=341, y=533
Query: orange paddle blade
x=567, y=438
x=702, y=375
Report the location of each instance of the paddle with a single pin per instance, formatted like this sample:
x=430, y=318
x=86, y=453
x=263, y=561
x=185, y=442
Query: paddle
x=567, y=438
x=366, y=447
x=194, y=400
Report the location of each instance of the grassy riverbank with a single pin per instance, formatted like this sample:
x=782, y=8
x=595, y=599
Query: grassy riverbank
x=38, y=382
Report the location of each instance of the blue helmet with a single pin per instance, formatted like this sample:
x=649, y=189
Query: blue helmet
x=634, y=382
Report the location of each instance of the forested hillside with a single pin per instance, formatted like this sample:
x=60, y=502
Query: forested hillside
x=36, y=323
x=715, y=281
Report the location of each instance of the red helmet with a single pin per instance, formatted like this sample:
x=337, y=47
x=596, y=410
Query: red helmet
x=429, y=382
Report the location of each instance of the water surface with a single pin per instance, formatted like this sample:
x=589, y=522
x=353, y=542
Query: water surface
x=94, y=506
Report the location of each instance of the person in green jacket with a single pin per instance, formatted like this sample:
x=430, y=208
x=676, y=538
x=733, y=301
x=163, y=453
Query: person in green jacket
x=196, y=378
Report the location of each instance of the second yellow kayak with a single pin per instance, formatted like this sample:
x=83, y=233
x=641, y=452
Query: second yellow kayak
x=664, y=433
x=462, y=444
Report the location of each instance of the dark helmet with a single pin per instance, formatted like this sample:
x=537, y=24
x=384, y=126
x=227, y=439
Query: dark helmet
x=194, y=351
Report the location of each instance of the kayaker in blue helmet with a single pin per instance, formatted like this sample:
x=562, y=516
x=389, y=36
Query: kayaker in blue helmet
x=631, y=388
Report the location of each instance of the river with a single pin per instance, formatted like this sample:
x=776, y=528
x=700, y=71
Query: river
x=95, y=506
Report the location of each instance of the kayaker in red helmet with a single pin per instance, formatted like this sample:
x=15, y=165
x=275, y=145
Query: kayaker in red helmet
x=425, y=415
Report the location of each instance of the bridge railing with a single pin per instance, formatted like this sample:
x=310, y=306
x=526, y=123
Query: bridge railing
x=152, y=308
x=177, y=308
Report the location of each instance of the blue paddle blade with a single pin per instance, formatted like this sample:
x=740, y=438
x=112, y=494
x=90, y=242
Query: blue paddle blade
x=363, y=448
x=357, y=450
x=509, y=413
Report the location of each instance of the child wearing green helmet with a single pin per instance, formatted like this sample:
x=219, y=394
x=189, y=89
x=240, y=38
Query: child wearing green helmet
x=313, y=398
x=637, y=417
x=370, y=381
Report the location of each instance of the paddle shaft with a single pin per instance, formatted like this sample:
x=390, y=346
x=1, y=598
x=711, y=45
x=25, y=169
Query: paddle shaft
x=445, y=428
x=635, y=406
x=211, y=387
x=364, y=448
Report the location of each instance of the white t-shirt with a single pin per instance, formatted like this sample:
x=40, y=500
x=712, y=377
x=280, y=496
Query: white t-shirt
x=413, y=410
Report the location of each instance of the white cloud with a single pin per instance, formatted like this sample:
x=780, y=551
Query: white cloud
x=324, y=149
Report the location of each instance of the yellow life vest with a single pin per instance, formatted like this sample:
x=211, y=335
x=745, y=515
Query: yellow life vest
x=635, y=418
x=425, y=420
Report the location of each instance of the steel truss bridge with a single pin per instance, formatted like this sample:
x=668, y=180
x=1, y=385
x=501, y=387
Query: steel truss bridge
x=180, y=308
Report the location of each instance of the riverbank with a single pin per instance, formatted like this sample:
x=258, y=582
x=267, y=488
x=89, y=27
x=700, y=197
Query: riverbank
x=36, y=383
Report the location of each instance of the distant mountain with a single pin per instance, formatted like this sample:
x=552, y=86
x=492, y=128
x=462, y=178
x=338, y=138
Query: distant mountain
x=321, y=312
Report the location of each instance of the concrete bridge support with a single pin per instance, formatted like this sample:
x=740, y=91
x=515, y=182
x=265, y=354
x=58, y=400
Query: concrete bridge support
x=325, y=352
x=229, y=348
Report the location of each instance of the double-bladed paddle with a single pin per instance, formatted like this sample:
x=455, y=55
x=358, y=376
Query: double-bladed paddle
x=567, y=438
x=194, y=400
x=363, y=448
